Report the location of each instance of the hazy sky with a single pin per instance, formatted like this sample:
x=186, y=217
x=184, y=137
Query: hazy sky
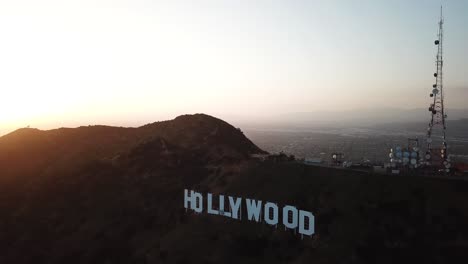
x=132, y=62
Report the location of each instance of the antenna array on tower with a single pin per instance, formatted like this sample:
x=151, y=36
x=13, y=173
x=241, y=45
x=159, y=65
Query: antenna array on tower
x=436, y=153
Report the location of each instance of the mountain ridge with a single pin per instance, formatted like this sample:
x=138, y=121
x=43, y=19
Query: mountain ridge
x=123, y=203
x=29, y=151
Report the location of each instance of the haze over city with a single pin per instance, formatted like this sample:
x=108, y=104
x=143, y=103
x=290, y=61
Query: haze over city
x=72, y=63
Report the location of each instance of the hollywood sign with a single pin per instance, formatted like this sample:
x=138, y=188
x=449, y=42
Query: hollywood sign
x=292, y=218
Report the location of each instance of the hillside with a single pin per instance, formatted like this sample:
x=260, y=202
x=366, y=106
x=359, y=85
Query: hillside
x=32, y=152
x=115, y=195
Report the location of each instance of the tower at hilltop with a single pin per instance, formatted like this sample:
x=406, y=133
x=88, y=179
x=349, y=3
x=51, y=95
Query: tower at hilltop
x=436, y=153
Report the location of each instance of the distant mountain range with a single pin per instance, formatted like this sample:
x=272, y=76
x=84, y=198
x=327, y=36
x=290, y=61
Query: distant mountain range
x=349, y=118
x=104, y=194
x=374, y=116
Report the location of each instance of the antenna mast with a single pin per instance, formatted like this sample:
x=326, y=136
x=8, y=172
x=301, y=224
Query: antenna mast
x=436, y=154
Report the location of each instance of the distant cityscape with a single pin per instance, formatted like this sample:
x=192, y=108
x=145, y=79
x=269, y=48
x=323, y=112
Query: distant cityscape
x=358, y=144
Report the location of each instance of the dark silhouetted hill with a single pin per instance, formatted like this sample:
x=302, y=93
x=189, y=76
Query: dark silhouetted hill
x=115, y=195
x=31, y=152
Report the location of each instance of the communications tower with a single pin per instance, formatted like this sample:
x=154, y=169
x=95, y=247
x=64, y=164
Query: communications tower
x=436, y=155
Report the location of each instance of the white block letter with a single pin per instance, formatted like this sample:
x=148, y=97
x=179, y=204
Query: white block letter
x=303, y=217
x=235, y=206
x=221, y=207
x=286, y=210
x=187, y=199
x=210, y=205
x=197, y=202
x=273, y=220
x=253, y=209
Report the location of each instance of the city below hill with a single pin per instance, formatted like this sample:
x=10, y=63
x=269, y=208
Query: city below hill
x=103, y=194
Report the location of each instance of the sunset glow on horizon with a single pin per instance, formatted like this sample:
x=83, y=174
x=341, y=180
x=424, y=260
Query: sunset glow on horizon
x=71, y=63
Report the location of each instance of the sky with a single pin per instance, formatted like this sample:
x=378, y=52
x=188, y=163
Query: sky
x=71, y=63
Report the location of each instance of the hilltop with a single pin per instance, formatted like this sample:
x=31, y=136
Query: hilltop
x=29, y=152
x=115, y=195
